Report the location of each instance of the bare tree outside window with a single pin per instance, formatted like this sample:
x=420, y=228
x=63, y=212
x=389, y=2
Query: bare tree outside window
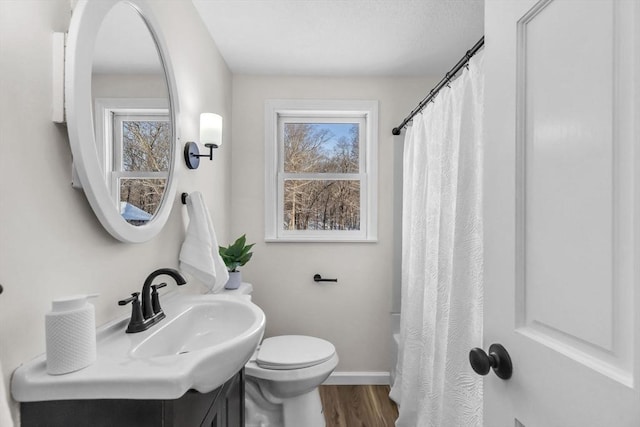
x=146, y=147
x=321, y=204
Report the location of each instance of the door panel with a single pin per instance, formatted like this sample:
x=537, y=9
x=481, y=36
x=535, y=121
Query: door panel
x=573, y=185
x=560, y=228
x=566, y=148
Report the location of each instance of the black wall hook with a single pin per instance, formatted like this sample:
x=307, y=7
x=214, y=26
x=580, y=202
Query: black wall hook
x=183, y=198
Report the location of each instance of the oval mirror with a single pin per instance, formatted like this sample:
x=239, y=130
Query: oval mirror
x=121, y=107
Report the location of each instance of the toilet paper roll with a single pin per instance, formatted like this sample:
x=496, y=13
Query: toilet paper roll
x=71, y=340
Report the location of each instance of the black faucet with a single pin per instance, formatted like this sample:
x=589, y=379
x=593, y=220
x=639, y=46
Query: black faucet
x=150, y=313
x=147, y=306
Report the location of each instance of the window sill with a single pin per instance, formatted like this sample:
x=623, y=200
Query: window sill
x=316, y=240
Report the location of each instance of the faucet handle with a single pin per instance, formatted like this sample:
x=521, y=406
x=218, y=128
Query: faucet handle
x=155, y=299
x=137, y=321
x=134, y=297
x=158, y=286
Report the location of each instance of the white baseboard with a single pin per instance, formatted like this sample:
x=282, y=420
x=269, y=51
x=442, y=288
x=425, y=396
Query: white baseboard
x=358, y=378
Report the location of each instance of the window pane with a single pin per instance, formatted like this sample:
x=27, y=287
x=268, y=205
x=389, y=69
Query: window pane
x=321, y=147
x=146, y=146
x=321, y=205
x=140, y=198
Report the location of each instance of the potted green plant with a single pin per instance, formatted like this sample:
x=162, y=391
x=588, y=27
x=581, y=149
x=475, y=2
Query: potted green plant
x=234, y=256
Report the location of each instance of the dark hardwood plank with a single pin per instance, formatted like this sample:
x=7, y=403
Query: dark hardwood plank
x=358, y=406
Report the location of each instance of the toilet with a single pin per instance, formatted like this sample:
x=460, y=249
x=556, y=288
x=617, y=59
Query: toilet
x=282, y=378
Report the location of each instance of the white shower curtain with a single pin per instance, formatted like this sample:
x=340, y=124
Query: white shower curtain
x=441, y=311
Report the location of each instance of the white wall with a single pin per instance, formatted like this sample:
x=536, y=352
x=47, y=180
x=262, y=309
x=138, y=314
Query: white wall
x=354, y=314
x=128, y=86
x=50, y=242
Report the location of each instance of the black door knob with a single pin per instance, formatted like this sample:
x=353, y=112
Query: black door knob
x=498, y=359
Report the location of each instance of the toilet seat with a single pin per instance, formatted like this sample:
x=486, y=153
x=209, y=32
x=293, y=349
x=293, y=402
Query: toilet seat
x=288, y=352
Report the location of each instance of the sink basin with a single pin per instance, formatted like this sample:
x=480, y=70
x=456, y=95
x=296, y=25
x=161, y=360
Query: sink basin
x=203, y=341
x=203, y=325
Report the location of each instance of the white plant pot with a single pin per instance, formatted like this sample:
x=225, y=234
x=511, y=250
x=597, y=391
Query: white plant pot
x=235, y=278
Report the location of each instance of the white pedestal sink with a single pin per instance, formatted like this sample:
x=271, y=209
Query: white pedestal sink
x=203, y=341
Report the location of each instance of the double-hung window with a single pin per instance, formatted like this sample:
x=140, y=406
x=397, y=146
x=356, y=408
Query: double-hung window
x=321, y=170
x=136, y=145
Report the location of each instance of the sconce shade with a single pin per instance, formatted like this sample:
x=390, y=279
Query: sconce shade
x=211, y=129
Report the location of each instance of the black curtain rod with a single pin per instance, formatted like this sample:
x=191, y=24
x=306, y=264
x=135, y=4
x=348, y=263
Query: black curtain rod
x=447, y=78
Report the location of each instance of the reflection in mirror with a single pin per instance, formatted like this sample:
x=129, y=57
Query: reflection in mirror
x=133, y=131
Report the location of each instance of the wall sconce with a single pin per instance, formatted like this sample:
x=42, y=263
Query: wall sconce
x=210, y=136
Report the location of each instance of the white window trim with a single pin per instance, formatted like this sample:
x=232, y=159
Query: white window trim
x=104, y=110
x=276, y=108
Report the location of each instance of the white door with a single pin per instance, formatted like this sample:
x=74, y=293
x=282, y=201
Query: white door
x=562, y=215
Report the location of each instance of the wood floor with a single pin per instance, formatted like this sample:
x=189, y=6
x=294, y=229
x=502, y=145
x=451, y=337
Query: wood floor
x=358, y=406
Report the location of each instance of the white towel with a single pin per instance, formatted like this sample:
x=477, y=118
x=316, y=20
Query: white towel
x=199, y=255
x=5, y=413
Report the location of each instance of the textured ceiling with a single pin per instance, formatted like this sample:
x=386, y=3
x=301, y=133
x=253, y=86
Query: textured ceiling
x=343, y=37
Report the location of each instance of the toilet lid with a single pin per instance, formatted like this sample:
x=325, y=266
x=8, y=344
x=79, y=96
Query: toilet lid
x=293, y=352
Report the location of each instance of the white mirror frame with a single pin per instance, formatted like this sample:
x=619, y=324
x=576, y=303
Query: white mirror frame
x=86, y=20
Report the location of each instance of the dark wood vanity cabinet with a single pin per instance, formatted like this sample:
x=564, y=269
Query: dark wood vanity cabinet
x=223, y=407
